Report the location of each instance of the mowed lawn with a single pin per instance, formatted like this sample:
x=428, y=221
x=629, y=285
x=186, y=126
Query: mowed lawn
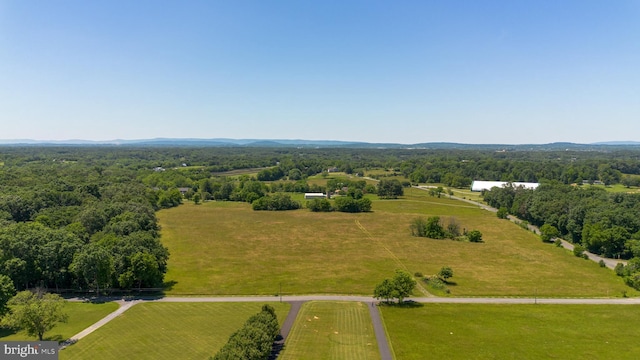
x=474, y=331
x=331, y=330
x=227, y=248
x=168, y=331
x=81, y=316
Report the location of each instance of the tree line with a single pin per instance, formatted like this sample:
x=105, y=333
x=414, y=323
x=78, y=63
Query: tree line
x=254, y=340
x=67, y=226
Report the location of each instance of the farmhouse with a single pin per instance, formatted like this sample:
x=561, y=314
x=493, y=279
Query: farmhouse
x=314, y=196
x=487, y=185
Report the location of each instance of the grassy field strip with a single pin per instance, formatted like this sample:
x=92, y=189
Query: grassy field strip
x=81, y=316
x=167, y=331
x=397, y=260
x=332, y=330
x=474, y=331
x=441, y=204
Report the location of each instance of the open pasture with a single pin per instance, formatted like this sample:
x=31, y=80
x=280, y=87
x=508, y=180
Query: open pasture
x=238, y=172
x=332, y=330
x=81, y=316
x=227, y=248
x=616, y=188
x=167, y=331
x=474, y=331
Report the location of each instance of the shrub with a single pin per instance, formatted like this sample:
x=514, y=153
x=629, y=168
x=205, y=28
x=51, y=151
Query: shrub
x=435, y=282
x=433, y=228
x=502, y=213
x=418, y=227
x=558, y=243
x=619, y=269
x=474, y=236
x=364, y=204
x=578, y=250
x=602, y=264
x=278, y=201
x=453, y=229
x=351, y=205
x=319, y=205
x=548, y=232
x=418, y=274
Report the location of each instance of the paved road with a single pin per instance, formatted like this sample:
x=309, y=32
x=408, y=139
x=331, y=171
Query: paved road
x=425, y=300
x=285, y=329
x=381, y=334
x=124, y=306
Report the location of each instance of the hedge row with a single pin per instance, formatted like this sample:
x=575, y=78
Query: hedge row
x=254, y=340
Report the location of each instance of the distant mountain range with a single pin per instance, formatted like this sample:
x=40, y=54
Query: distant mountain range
x=223, y=142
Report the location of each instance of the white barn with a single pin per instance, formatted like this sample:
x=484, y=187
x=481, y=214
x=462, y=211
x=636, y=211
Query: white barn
x=487, y=185
x=314, y=196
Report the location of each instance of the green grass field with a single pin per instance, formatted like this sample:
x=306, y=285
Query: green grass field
x=616, y=188
x=167, y=331
x=227, y=248
x=81, y=316
x=238, y=172
x=332, y=330
x=470, y=331
x=467, y=194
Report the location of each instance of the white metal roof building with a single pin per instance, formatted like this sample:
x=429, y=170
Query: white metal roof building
x=487, y=185
x=314, y=196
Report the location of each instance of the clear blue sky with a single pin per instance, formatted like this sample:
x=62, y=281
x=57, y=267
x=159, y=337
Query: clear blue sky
x=471, y=71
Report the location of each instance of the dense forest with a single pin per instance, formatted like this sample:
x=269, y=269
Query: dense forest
x=83, y=217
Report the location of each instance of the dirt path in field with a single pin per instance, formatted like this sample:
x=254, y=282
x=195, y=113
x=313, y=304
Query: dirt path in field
x=393, y=256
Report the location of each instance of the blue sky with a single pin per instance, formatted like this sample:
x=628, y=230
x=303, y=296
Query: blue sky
x=379, y=71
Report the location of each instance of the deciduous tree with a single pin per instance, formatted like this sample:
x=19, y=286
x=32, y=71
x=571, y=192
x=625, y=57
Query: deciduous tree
x=7, y=291
x=390, y=189
x=403, y=285
x=36, y=313
x=445, y=273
